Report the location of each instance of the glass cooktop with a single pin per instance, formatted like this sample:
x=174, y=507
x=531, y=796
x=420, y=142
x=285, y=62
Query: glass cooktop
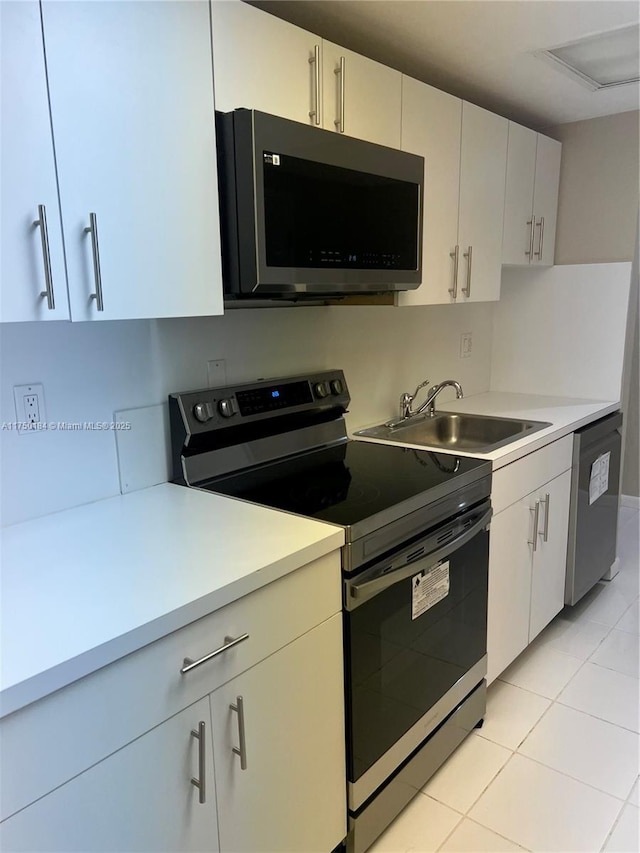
x=348, y=483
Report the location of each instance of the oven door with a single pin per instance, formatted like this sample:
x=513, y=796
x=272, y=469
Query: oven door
x=415, y=640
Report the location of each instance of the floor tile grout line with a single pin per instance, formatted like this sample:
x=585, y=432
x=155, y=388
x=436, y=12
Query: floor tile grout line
x=596, y=717
x=574, y=778
x=482, y=826
x=615, y=823
x=610, y=669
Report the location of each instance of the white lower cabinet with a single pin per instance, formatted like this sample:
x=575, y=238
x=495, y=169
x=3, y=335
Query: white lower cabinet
x=290, y=795
x=527, y=551
x=285, y=792
x=140, y=798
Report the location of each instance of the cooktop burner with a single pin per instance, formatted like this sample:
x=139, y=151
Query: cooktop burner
x=345, y=484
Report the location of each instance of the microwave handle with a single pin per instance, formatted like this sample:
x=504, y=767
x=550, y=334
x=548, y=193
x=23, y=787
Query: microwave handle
x=362, y=592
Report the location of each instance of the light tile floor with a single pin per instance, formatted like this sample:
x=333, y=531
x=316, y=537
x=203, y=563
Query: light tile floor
x=555, y=766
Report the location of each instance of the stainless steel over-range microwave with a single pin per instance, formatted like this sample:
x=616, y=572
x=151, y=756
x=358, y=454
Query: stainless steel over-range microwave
x=308, y=213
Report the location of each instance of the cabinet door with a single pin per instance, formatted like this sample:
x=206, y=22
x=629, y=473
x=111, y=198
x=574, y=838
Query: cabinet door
x=28, y=174
x=262, y=63
x=483, y=165
x=509, y=585
x=291, y=796
x=431, y=123
x=372, y=93
x=517, y=240
x=140, y=798
x=545, y=198
x=550, y=558
x=131, y=91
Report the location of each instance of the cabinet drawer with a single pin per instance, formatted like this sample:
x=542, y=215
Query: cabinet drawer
x=48, y=742
x=518, y=479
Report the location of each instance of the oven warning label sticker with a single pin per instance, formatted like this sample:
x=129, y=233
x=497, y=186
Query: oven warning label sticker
x=428, y=588
x=599, y=477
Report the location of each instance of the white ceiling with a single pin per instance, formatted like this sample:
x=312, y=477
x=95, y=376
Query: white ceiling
x=480, y=50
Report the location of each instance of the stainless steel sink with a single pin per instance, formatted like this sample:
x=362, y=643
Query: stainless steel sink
x=453, y=431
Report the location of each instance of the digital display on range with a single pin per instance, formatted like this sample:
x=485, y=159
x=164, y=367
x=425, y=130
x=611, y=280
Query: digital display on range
x=259, y=400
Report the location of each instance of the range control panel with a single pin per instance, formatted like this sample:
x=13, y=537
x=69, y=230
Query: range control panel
x=215, y=408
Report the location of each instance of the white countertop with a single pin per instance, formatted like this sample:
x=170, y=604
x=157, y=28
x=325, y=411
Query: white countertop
x=84, y=587
x=566, y=414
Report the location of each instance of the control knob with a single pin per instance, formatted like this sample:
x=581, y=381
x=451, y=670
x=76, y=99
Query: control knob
x=227, y=408
x=336, y=387
x=203, y=412
x=321, y=390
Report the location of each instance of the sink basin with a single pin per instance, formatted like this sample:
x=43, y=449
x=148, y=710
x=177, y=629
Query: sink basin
x=453, y=431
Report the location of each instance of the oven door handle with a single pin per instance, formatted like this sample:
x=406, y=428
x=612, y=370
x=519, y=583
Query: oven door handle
x=367, y=589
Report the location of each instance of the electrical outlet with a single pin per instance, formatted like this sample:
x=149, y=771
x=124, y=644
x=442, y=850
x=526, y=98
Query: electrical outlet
x=216, y=373
x=30, y=412
x=465, y=345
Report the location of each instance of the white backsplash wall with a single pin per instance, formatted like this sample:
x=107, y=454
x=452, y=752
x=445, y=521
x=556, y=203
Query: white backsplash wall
x=561, y=330
x=90, y=370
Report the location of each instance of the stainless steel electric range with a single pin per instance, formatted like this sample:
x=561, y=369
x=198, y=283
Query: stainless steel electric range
x=414, y=567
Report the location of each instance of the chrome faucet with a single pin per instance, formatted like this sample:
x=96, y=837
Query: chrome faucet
x=406, y=401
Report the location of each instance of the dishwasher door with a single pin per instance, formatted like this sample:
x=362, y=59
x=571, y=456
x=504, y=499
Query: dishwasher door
x=593, y=514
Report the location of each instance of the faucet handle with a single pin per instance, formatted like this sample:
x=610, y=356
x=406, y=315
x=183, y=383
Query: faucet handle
x=421, y=385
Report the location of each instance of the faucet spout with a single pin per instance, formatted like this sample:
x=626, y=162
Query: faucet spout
x=429, y=404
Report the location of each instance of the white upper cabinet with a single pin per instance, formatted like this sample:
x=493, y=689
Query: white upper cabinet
x=545, y=198
x=465, y=151
x=431, y=127
x=266, y=64
x=531, y=198
x=31, y=263
x=361, y=98
x=131, y=94
x=483, y=162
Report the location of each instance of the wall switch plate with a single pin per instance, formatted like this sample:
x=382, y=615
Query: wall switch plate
x=30, y=412
x=465, y=345
x=216, y=373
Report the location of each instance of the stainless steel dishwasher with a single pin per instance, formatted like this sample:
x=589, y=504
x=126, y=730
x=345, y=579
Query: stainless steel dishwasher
x=593, y=513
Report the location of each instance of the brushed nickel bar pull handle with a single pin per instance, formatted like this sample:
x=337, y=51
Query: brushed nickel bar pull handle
x=201, y=783
x=339, y=123
x=456, y=259
x=92, y=229
x=545, y=532
x=315, y=60
x=41, y=222
x=240, y=750
x=540, y=225
x=536, y=517
x=532, y=223
x=468, y=255
x=229, y=642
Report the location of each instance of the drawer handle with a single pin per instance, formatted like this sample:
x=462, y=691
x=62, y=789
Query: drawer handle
x=200, y=783
x=41, y=222
x=92, y=229
x=240, y=750
x=540, y=225
x=315, y=61
x=339, y=123
x=469, y=256
x=531, y=222
x=229, y=642
x=456, y=261
x=536, y=518
x=545, y=533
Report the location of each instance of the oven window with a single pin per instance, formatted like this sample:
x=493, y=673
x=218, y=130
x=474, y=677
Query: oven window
x=397, y=667
x=321, y=216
